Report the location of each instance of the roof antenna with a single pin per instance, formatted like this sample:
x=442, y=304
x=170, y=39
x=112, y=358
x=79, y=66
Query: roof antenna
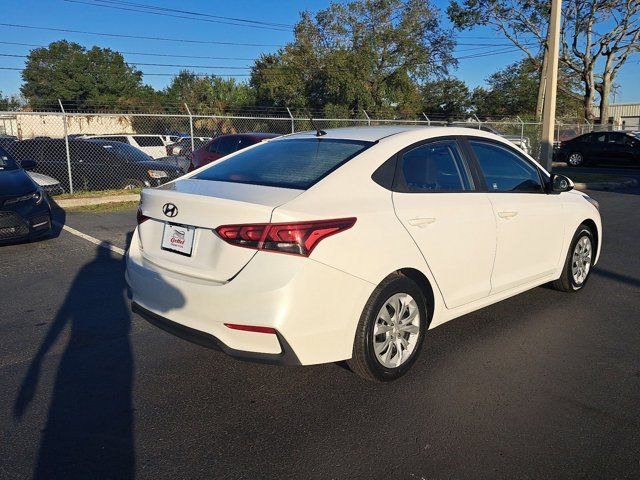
x=319, y=133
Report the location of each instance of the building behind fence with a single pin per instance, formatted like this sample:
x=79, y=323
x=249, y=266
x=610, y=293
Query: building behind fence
x=59, y=143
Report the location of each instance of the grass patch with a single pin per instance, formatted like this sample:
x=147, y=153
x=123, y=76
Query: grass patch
x=105, y=207
x=96, y=193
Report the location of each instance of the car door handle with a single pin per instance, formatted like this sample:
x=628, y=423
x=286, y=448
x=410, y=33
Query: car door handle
x=421, y=222
x=507, y=215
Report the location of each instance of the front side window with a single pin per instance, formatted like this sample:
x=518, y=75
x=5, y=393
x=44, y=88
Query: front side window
x=435, y=167
x=506, y=171
x=292, y=163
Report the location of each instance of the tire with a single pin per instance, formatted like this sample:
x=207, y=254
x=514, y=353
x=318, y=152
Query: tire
x=568, y=281
x=364, y=361
x=575, y=159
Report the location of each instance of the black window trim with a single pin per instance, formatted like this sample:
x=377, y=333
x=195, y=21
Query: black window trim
x=544, y=180
x=398, y=185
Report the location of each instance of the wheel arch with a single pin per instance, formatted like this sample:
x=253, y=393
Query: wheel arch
x=596, y=234
x=425, y=286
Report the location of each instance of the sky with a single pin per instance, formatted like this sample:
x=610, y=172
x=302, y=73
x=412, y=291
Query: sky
x=79, y=15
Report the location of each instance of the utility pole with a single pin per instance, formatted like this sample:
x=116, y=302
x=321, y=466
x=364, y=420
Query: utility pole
x=549, y=113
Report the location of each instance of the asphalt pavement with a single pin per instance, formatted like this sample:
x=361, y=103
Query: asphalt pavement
x=543, y=385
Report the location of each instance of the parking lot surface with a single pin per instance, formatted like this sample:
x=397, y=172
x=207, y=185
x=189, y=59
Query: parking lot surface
x=543, y=385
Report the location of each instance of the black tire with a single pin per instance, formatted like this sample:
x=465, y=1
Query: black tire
x=363, y=361
x=579, y=159
x=566, y=282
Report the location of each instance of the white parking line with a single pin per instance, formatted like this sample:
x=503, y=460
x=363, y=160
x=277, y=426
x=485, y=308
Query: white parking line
x=91, y=239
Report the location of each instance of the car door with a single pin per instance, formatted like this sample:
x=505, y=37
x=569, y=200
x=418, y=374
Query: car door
x=530, y=225
x=621, y=148
x=437, y=199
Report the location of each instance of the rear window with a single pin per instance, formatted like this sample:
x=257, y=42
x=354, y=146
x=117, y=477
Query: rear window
x=291, y=163
x=152, y=141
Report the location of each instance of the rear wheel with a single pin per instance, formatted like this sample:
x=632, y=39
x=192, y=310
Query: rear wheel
x=575, y=159
x=577, y=266
x=391, y=330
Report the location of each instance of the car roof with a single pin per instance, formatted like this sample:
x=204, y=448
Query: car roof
x=377, y=133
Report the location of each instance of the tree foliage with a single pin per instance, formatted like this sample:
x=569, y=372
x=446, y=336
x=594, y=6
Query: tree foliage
x=512, y=91
x=366, y=54
x=449, y=97
x=67, y=71
x=597, y=37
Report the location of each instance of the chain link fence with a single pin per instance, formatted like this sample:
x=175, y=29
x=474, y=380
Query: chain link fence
x=77, y=152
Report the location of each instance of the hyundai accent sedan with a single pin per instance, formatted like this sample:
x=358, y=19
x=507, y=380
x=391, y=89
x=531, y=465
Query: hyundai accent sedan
x=350, y=244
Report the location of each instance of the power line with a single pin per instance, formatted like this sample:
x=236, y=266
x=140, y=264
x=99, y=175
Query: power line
x=230, y=67
x=200, y=14
x=180, y=16
x=170, y=55
x=138, y=37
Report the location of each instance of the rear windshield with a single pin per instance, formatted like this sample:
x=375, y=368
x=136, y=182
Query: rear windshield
x=291, y=163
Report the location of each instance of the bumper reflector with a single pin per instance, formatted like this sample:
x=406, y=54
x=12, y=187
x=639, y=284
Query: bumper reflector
x=251, y=328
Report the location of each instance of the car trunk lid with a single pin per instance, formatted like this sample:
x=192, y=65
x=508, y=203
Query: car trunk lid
x=205, y=205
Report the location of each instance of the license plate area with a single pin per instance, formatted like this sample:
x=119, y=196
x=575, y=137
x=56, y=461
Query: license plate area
x=178, y=239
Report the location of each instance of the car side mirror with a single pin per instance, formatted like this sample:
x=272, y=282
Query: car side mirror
x=28, y=164
x=560, y=183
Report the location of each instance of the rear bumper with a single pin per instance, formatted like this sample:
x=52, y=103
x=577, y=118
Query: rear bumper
x=285, y=357
x=314, y=308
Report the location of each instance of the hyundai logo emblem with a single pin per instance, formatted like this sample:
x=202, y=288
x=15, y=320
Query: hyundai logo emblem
x=170, y=210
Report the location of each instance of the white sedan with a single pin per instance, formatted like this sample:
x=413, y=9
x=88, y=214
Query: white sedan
x=350, y=244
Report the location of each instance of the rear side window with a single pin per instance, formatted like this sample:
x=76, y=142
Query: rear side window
x=435, y=167
x=291, y=163
x=506, y=171
x=227, y=145
x=151, y=141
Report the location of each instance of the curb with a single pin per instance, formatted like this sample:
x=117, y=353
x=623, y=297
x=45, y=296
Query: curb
x=631, y=182
x=82, y=202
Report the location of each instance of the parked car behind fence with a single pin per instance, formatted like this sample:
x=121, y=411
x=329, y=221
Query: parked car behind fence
x=95, y=164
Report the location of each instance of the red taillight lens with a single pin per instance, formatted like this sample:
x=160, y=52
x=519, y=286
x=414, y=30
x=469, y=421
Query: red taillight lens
x=299, y=238
x=140, y=217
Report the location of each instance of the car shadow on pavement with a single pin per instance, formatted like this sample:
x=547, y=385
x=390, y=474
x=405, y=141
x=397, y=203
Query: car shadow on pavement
x=89, y=431
x=618, y=277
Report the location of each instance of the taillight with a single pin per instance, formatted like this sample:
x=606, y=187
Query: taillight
x=169, y=149
x=298, y=238
x=140, y=217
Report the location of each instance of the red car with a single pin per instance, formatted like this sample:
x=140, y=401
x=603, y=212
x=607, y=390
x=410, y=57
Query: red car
x=224, y=145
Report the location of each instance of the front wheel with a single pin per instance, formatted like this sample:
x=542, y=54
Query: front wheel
x=577, y=266
x=575, y=159
x=391, y=330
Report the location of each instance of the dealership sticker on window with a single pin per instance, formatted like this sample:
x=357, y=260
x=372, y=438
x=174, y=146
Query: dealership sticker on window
x=178, y=238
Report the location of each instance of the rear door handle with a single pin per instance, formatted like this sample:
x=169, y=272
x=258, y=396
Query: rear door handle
x=421, y=222
x=507, y=215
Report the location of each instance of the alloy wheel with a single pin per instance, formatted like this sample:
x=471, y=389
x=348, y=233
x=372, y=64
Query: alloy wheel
x=575, y=159
x=581, y=260
x=396, y=330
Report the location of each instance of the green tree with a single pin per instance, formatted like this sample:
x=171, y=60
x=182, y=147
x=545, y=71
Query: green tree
x=84, y=78
x=366, y=54
x=447, y=96
x=512, y=91
x=597, y=37
x=207, y=94
x=9, y=102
